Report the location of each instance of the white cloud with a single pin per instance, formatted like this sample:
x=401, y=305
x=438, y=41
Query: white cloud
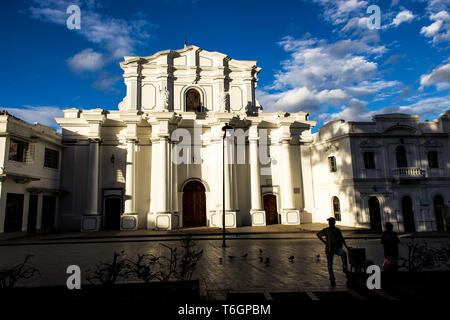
x=441, y=15
x=86, y=60
x=300, y=99
x=320, y=74
x=355, y=111
x=403, y=16
x=432, y=29
x=426, y=108
x=106, y=81
x=439, y=29
x=44, y=115
x=438, y=76
x=339, y=11
x=118, y=37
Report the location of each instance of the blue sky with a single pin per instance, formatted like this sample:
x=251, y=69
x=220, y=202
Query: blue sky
x=317, y=56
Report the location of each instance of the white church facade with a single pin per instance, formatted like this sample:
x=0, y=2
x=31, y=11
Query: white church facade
x=157, y=162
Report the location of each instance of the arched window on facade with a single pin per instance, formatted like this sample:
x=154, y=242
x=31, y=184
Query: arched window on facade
x=369, y=160
x=400, y=155
x=193, y=101
x=336, y=208
x=433, y=161
x=332, y=167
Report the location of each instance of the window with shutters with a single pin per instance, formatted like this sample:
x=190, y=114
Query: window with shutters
x=21, y=151
x=51, y=158
x=369, y=160
x=332, y=164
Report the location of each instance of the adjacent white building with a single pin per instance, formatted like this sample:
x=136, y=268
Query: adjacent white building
x=30, y=171
x=394, y=169
x=156, y=163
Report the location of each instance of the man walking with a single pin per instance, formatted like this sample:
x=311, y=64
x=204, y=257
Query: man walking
x=333, y=245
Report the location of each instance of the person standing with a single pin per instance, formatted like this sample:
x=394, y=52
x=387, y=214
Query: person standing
x=334, y=241
x=390, y=241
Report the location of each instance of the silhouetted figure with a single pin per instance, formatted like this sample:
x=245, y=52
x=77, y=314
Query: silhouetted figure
x=333, y=245
x=390, y=242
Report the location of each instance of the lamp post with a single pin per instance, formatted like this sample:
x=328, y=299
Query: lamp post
x=224, y=129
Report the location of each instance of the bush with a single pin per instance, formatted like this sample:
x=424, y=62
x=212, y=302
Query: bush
x=9, y=277
x=110, y=273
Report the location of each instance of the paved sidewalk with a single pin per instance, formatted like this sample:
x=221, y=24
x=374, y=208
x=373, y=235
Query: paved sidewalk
x=303, y=231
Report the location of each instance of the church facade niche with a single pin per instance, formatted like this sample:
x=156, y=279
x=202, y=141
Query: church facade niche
x=193, y=101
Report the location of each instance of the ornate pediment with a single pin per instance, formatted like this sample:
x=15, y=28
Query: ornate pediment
x=401, y=129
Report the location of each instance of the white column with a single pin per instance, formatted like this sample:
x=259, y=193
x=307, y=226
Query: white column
x=130, y=178
x=255, y=179
x=287, y=192
x=163, y=175
x=218, y=148
x=154, y=194
x=234, y=184
x=93, y=168
x=174, y=184
x=229, y=200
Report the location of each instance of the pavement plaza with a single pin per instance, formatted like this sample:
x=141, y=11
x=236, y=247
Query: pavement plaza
x=265, y=269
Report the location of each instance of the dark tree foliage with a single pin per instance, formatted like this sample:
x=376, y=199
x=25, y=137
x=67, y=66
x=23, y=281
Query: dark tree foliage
x=421, y=257
x=146, y=267
x=23, y=271
x=109, y=273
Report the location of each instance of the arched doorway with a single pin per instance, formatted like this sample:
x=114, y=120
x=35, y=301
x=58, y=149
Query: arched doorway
x=408, y=214
x=112, y=212
x=193, y=102
x=375, y=214
x=439, y=212
x=194, y=204
x=336, y=205
x=270, y=206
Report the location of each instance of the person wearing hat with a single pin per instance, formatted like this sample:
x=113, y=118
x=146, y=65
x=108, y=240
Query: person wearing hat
x=333, y=245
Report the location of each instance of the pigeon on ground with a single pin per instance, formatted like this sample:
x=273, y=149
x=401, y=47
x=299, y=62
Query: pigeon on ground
x=220, y=260
x=267, y=261
x=291, y=258
x=261, y=259
x=245, y=255
x=260, y=252
x=318, y=257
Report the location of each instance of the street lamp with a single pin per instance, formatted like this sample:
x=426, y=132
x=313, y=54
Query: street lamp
x=224, y=129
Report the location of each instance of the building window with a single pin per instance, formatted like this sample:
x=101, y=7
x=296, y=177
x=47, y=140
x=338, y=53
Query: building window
x=336, y=208
x=369, y=160
x=400, y=155
x=19, y=151
x=332, y=164
x=193, y=103
x=433, y=159
x=51, y=159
